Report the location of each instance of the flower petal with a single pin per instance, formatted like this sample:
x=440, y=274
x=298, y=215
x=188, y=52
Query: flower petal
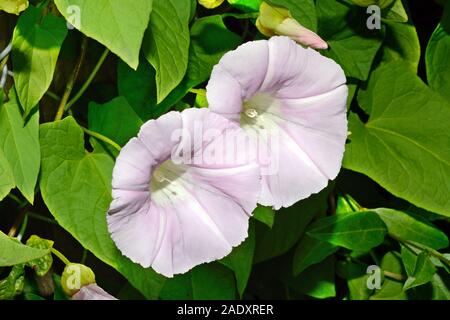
x=92, y=292
x=248, y=65
x=130, y=171
x=297, y=177
x=294, y=30
x=302, y=102
x=161, y=135
x=201, y=212
x=239, y=74
x=295, y=72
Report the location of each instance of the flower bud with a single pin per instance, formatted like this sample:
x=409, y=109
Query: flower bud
x=210, y=4
x=274, y=20
x=75, y=276
x=14, y=6
x=366, y=3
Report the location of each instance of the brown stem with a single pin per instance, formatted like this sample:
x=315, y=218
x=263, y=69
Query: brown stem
x=72, y=79
x=332, y=203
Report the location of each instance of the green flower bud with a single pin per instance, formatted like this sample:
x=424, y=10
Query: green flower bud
x=275, y=20
x=270, y=17
x=13, y=6
x=210, y=4
x=75, y=276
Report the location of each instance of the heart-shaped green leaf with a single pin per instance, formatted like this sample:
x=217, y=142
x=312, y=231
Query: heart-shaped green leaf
x=76, y=187
x=117, y=24
x=404, y=144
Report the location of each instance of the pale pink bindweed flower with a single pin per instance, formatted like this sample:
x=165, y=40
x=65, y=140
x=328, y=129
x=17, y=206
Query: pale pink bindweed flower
x=295, y=93
x=92, y=292
x=182, y=192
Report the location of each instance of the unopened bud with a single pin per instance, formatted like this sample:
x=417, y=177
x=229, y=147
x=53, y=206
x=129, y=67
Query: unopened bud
x=75, y=276
x=210, y=4
x=14, y=6
x=274, y=20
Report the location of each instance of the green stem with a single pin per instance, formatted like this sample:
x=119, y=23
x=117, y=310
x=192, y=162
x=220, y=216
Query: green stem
x=60, y=256
x=15, y=198
x=88, y=81
x=84, y=256
x=200, y=92
x=23, y=228
x=44, y=4
x=52, y=95
x=72, y=79
x=389, y=274
x=4, y=62
x=251, y=15
x=18, y=222
x=419, y=246
x=41, y=218
x=395, y=276
x=102, y=138
x=375, y=258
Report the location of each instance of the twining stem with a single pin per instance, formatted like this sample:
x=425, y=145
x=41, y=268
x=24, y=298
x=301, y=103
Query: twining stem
x=251, y=15
x=15, y=198
x=200, y=92
x=72, y=79
x=102, y=138
x=246, y=29
x=54, y=96
x=41, y=218
x=374, y=257
x=44, y=4
x=4, y=62
x=84, y=256
x=389, y=274
x=60, y=256
x=332, y=203
x=395, y=276
x=431, y=251
x=23, y=227
x=89, y=80
x=3, y=71
x=18, y=222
